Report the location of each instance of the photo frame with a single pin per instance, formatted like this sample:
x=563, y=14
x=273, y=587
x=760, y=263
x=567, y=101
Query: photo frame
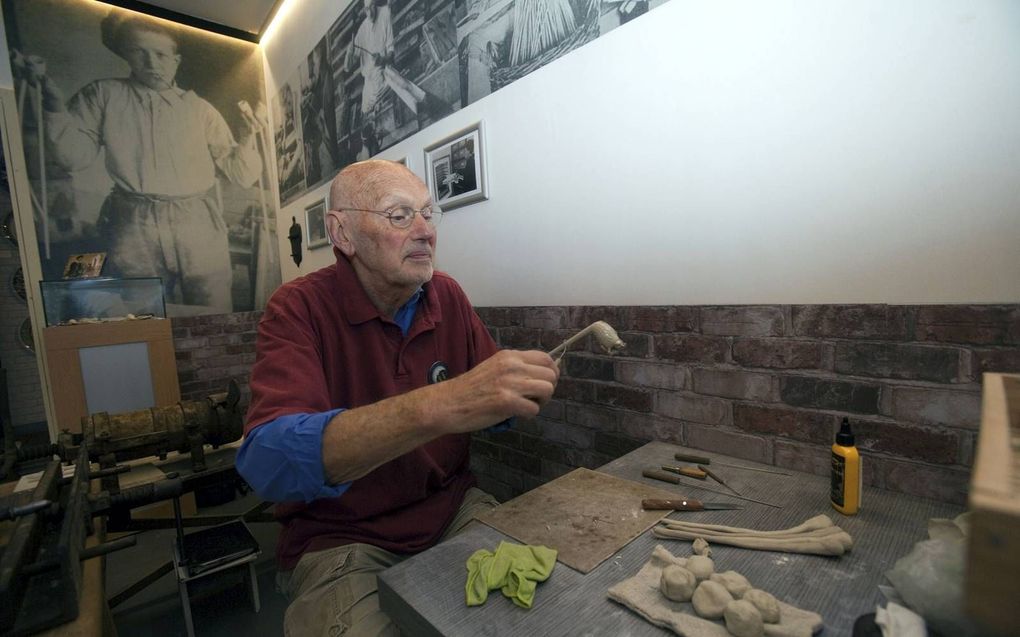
x=315, y=225
x=87, y=265
x=455, y=168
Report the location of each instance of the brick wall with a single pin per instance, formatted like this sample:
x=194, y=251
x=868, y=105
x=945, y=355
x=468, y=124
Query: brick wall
x=212, y=350
x=23, y=387
x=767, y=383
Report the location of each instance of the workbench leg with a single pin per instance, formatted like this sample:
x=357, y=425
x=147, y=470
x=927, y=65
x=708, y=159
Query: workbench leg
x=255, y=601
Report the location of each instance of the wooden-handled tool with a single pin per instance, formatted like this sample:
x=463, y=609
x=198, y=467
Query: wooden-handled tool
x=690, y=472
x=654, y=474
x=702, y=460
x=686, y=457
x=686, y=504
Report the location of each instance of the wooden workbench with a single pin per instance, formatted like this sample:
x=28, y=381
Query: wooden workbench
x=425, y=594
x=94, y=618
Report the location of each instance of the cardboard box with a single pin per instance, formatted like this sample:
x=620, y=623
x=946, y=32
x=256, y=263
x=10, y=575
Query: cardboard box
x=992, y=587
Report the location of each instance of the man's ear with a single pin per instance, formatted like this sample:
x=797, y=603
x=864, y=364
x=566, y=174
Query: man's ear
x=340, y=232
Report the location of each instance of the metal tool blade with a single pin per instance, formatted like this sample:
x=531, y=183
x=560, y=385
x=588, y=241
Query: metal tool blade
x=720, y=506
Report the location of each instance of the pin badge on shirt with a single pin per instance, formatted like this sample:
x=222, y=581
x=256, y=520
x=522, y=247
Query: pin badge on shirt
x=438, y=372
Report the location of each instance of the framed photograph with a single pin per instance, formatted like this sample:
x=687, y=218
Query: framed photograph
x=455, y=169
x=315, y=225
x=84, y=266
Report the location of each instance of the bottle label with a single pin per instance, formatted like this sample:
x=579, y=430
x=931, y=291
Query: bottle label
x=837, y=494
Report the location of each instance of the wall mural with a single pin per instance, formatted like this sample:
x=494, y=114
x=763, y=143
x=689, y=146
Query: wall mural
x=387, y=69
x=145, y=140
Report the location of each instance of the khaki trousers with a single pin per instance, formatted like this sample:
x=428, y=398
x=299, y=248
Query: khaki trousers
x=335, y=592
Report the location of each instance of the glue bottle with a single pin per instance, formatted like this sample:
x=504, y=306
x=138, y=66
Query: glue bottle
x=846, y=472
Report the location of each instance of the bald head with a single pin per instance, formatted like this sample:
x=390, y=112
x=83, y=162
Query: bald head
x=365, y=183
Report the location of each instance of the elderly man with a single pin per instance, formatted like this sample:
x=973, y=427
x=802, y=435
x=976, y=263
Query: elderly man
x=163, y=148
x=370, y=376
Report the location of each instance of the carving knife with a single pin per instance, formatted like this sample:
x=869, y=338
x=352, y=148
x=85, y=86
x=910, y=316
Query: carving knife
x=687, y=504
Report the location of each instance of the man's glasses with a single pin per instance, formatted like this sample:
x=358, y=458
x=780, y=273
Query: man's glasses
x=403, y=216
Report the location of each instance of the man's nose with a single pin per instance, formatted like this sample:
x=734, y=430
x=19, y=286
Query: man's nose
x=421, y=228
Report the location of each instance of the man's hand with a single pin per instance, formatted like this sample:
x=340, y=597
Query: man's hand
x=510, y=383
x=32, y=69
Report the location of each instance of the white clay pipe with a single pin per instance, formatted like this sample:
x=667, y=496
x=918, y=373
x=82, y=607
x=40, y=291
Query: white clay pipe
x=605, y=336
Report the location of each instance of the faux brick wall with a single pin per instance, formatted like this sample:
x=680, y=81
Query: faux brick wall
x=212, y=350
x=767, y=383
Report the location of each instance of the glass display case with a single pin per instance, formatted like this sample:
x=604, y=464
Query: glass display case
x=81, y=300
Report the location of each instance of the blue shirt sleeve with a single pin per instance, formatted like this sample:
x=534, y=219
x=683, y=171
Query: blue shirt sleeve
x=504, y=425
x=282, y=459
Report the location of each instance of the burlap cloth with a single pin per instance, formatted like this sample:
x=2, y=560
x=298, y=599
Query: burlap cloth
x=641, y=594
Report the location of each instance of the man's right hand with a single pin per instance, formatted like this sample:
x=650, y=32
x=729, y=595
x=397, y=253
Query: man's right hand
x=510, y=383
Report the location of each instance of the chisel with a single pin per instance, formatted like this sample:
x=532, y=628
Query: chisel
x=690, y=472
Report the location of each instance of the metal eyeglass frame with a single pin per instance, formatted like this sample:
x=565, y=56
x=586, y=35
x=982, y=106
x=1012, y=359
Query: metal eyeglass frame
x=434, y=218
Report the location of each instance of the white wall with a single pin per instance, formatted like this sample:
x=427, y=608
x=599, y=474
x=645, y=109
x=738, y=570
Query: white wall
x=740, y=152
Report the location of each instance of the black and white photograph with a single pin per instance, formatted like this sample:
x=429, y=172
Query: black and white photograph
x=382, y=76
x=84, y=266
x=315, y=224
x=318, y=124
x=393, y=87
x=501, y=42
x=395, y=67
x=290, y=149
x=455, y=169
x=142, y=140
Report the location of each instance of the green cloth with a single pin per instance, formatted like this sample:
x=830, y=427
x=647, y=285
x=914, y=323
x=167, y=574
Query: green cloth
x=515, y=568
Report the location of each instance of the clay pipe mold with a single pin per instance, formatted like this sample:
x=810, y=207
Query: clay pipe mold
x=604, y=334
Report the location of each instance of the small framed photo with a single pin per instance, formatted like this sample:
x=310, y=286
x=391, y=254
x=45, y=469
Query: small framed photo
x=315, y=225
x=455, y=169
x=88, y=265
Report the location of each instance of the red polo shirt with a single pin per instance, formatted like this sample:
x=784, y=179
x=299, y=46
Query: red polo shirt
x=323, y=345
